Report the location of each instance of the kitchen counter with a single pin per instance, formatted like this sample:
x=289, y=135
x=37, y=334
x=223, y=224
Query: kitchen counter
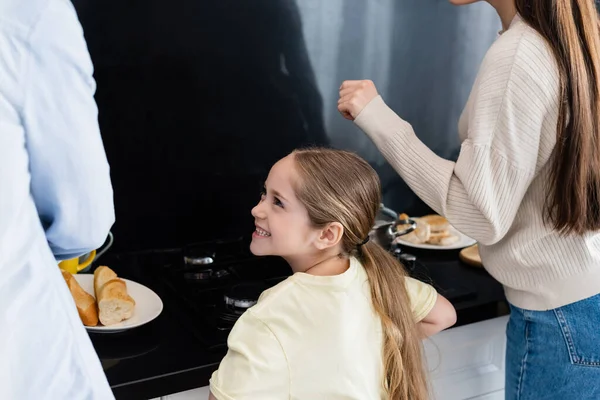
x=447, y=274
x=163, y=357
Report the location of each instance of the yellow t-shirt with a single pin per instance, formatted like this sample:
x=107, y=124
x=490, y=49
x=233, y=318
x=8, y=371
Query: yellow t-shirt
x=311, y=338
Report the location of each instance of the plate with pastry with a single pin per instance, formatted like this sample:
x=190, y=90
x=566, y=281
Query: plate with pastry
x=109, y=304
x=434, y=232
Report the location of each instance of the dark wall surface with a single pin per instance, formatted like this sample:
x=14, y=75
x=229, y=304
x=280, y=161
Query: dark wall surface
x=198, y=99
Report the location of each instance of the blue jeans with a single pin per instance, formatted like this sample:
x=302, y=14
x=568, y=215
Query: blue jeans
x=554, y=354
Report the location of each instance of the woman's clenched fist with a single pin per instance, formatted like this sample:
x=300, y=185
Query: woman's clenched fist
x=354, y=96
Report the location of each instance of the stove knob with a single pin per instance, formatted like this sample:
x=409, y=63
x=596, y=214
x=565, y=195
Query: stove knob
x=396, y=250
x=198, y=260
x=408, y=260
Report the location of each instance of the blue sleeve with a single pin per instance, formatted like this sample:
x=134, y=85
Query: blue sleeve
x=70, y=174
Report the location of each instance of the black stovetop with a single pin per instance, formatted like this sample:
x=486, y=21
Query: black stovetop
x=212, y=296
x=215, y=282
x=180, y=349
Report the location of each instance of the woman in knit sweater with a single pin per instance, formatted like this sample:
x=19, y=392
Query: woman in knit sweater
x=526, y=185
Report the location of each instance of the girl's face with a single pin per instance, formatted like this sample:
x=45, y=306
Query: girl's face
x=282, y=224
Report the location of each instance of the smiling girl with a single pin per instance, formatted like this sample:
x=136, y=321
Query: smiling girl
x=348, y=323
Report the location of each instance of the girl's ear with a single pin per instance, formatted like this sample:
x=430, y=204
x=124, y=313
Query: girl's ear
x=330, y=236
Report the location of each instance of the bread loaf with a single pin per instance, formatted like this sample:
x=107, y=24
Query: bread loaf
x=444, y=241
x=410, y=238
x=436, y=222
x=114, y=304
x=423, y=230
x=102, y=275
x=439, y=235
x=85, y=302
x=431, y=229
x=420, y=235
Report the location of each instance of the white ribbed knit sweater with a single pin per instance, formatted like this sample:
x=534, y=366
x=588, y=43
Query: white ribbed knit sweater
x=495, y=191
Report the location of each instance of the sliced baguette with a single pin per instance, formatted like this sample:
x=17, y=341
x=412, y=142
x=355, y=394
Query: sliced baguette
x=114, y=304
x=102, y=275
x=410, y=238
x=439, y=235
x=85, y=302
x=423, y=230
x=437, y=222
x=420, y=235
x=444, y=241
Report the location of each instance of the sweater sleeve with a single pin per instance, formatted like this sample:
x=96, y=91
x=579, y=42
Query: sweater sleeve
x=481, y=193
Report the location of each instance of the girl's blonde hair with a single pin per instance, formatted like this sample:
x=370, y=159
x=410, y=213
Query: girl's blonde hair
x=339, y=186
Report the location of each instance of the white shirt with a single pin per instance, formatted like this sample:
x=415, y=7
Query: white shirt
x=55, y=200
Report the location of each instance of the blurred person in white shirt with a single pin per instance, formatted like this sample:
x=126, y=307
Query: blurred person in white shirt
x=55, y=200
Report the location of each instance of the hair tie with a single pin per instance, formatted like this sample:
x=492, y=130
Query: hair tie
x=364, y=242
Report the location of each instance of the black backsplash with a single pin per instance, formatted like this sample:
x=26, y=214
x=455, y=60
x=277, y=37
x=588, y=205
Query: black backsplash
x=198, y=98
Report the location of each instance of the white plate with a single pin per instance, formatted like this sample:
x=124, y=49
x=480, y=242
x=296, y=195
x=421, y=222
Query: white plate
x=147, y=305
x=463, y=241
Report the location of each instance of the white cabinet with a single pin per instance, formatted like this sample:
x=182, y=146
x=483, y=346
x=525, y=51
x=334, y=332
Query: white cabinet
x=194, y=394
x=499, y=395
x=468, y=362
